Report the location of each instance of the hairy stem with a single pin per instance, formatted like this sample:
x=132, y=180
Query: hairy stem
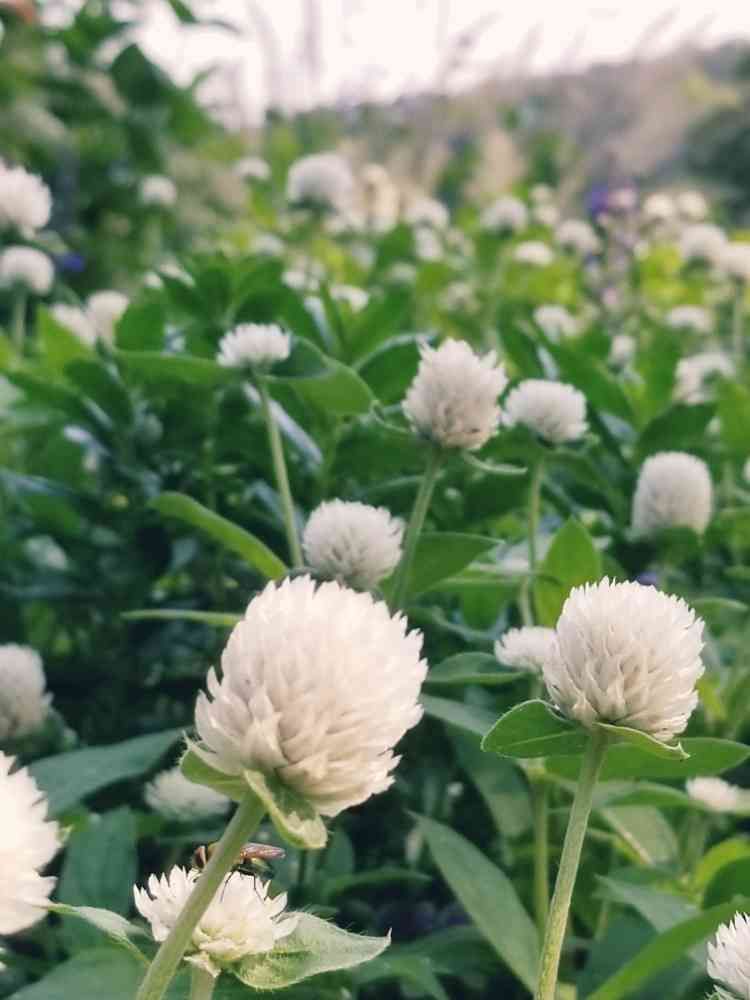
x=18, y=318
x=280, y=473
x=201, y=984
x=540, y=807
x=416, y=521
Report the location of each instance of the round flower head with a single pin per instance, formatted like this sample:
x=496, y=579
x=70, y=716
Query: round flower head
x=322, y=178
x=242, y=919
x=674, y=490
x=424, y=211
x=319, y=683
x=693, y=374
x=690, y=318
x=453, y=398
x=555, y=321
x=578, y=236
x=159, y=191
x=23, y=702
x=703, y=241
x=252, y=168
x=427, y=245
x=355, y=298
x=267, y=243
x=174, y=797
x=25, y=201
x=507, y=214
x=622, y=349
x=629, y=655
x=553, y=410
x=528, y=648
x=715, y=793
x=28, y=842
x=352, y=542
x=76, y=321
x=729, y=959
x=692, y=205
x=659, y=207
x=27, y=266
x=104, y=310
x=533, y=252
x=735, y=260
x=254, y=345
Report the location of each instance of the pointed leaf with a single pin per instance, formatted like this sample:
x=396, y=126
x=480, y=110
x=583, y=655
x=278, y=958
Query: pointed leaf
x=293, y=816
x=572, y=559
x=648, y=744
x=706, y=756
x=112, y=924
x=443, y=554
x=534, y=729
x=471, y=668
x=470, y=718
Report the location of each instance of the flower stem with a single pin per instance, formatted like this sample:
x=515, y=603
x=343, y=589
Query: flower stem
x=241, y=826
x=571, y=855
x=540, y=807
x=416, y=521
x=18, y=319
x=282, y=479
x=738, y=323
x=201, y=984
x=534, y=508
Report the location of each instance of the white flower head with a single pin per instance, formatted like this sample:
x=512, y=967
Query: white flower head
x=507, y=214
x=694, y=318
x=426, y=211
x=659, y=207
x=268, y=243
x=692, y=205
x=546, y=214
x=74, y=319
x=23, y=702
x=622, y=349
x=729, y=959
x=242, y=919
x=735, y=260
x=674, y=490
x=556, y=321
x=528, y=648
x=703, y=241
x=453, y=398
x=427, y=244
x=25, y=201
x=579, y=236
x=318, y=684
x=323, y=178
x=355, y=298
x=693, y=373
x=534, y=252
x=175, y=797
x=27, y=266
x=629, y=655
x=555, y=411
x=352, y=542
x=715, y=793
x=254, y=345
x=252, y=168
x=159, y=191
x=28, y=842
x=104, y=309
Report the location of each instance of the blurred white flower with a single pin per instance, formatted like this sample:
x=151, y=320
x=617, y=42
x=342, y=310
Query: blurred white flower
x=381, y=198
x=355, y=298
x=427, y=245
x=159, y=191
x=541, y=193
x=298, y=279
x=629, y=655
x=268, y=243
x=402, y=273
x=25, y=200
x=507, y=214
x=692, y=375
x=534, y=252
x=322, y=178
x=692, y=205
x=729, y=959
x=556, y=321
x=242, y=919
x=425, y=211
x=622, y=349
x=659, y=207
x=674, y=490
x=23, y=702
x=453, y=398
x=716, y=794
x=28, y=842
x=319, y=683
x=528, y=648
x=27, y=266
x=546, y=214
x=74, y=319
x=254, y=344
x=104, y=309
x=735, y=260
x=703, y=241
x=252, y=168
x=352, y=542
x=579, y=236
x=694, y=318
x=555, y=411
x=173, y=796
x=746, y=471
x=458, y=295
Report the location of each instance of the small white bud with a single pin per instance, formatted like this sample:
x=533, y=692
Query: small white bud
x=528, y=648
x=23, y=702
x=674, y=490
x=27, y=266
x=353, y=542
x=254, y=344
x=175, y=797
x=553, y=410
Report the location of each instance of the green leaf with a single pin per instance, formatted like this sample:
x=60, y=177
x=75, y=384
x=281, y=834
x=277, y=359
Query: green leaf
x=416, y=972
x=230, y=535
x=324, y=382
x=645, y=831
x=182, y=369
x=601, y=388
x=314, y=946
x=471, y=668
x=485, y=892
x=96, y=381
x=115, y=927
x=679, y=427
x=196, y=769
x=443, y=554
x=648, y=744
x=534, y=729
x=57, y=345
x=494, y=468
x=141, y=327
x=661, y=909
x=572, y=559
x=729, y=882
x=734, y=414
x=724, y=853
x=219, y=619
x=69, y=778
x=86, y=975
x=469, y=718
x=706, y=756
x=500, y=784
x=385, y=875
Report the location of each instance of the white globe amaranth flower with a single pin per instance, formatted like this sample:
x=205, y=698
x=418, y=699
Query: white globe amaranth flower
x=674, y=490
x=175, y=797
x=579, y=236
x=352, y=542
x=546, y=214
x=254, y=345
x=28, y=842
x=252, y=168
x=729, y=959
x=630, y=655
x=318, y=684
x=555, y=411
x=506, y=214
x=158, y=191
x=528, y=648
x=104, y=309
x=24, y=705
x=25, y=200
x=694, y=318
x=622, y=349
x=693, y=374
x=692, y=205
x=427, y=244
x=703, y=241
x=242, y=919
x=323, y=178
x=716, y=794
x=735, y=260
x=453, y=397
x=27, y=266
x=659, y=207
x=355, y=298
x=268, y=243
x=426, y=211
x=556, y=321
x=74, y=319
x=746, y=471
x=535, y=253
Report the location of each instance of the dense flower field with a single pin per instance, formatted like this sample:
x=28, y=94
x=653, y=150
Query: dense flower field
x=375, y=585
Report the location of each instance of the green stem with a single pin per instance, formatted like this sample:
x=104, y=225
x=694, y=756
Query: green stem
x=18, y=318
x=416, y=521
x=534, y=509
x=201, y=984
x=540, y=806
x=738, y=323
x=241, y=826
x=282, y=479
x=571, y=855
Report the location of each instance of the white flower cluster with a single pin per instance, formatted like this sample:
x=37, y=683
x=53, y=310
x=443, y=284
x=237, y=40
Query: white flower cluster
x=254, y=344
x=729, y=959
x=319, y=683
x=322, y=178
x=96, y=320
x=159, y=191
x=453, y=398
x=577, y=235
x=674, y=490
x=629, y=655
x=735, y=260
x=425, y=211
x=242, y=919
x=355, y=298
x=528, y=648
x=703, y=241
x=25, y=200
x=716, y=794
x=507, y=214
x=553, y=410
x=534, y=253
x=692, y=205
x=556, y=321
x=659, y=207
x=692, y=374
x=352, y=542
x=622, y=350
x=175, y=797
x=27, y=266
x=252, y=168
x=23, y=702
x=694, y=318
x=28, y=842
